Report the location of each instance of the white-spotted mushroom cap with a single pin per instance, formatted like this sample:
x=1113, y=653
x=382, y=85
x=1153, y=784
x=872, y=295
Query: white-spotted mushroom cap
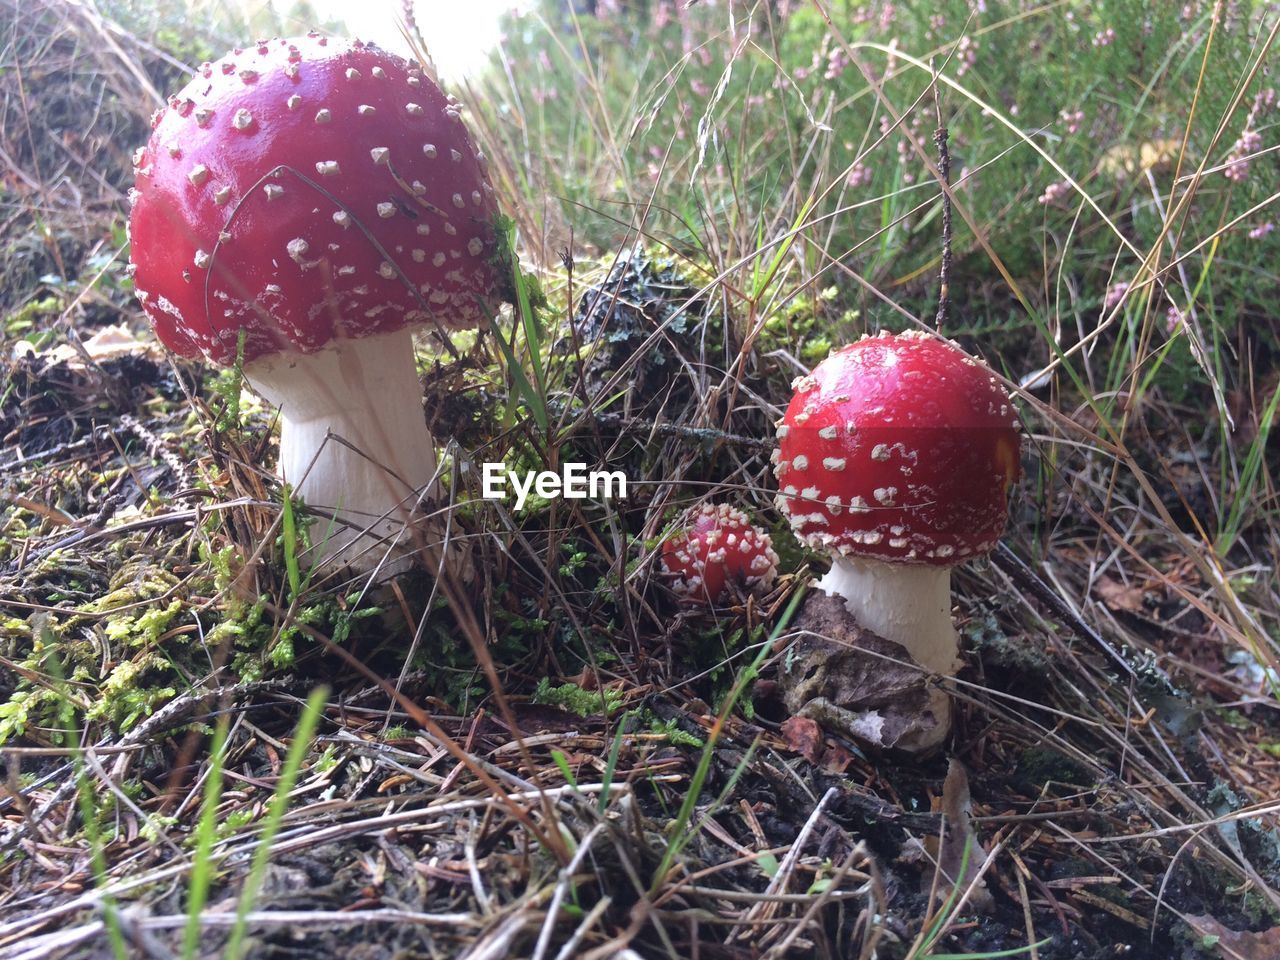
x=899, y=448
x=717, y=543
x=305, y=189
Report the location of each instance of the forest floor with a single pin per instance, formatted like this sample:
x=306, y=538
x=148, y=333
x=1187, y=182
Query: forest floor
x=559, y=759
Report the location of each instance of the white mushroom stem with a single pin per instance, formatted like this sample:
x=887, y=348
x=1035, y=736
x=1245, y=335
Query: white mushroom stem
x=366, y=392
x=910, y=604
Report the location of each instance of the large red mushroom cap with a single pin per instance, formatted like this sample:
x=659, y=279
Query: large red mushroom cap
x=716, y=544
x=898, y=448
x=307, y=190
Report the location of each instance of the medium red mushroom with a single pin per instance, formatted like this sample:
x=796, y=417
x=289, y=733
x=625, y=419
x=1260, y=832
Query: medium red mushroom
x=896, y=456
x=717, y=544
x=305, y=204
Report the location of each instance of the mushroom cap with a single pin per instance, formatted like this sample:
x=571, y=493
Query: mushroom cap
x=306, y=189
x=718, y=543
x=898, y=448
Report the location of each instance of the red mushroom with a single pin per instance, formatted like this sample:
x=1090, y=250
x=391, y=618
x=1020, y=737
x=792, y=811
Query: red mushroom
x=717, y=544
x=310, y=201
x=896, y=455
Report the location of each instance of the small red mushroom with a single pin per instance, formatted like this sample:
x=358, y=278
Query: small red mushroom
x=307, y=203
x=896, y=455
x=717, y=544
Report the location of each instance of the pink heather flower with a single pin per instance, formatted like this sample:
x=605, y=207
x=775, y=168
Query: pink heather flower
x=1249, y=141
x=1054, y=192
x=859, y=176
x=1173, y=317
x=1261, y=230
x=937, y=22
x=966, y=54
x=1115, y=293
x=699, y=88
x=662, y=15
x=544, y=61
x=1073, y=119
x=1103, y=38
x=837, y=60
x=978, y=6
x=756, y=100
x=887, y=14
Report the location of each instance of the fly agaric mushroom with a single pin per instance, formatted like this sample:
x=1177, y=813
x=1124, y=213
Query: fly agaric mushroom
x=717, y=544
x=305, y=204
x=896, y=455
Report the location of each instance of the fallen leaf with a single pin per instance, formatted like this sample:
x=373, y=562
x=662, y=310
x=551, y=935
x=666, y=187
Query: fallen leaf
x=804, y=736
x=1237, y=944
x=1117, y=596
x=961, y=854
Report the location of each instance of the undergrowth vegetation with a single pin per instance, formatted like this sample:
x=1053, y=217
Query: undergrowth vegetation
x=558, y=758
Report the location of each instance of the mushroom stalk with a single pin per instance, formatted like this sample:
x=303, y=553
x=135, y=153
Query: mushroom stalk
x=910, y=604
x=353, y=440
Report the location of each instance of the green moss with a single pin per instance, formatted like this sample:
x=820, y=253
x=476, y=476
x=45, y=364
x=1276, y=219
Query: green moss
x=571, y=697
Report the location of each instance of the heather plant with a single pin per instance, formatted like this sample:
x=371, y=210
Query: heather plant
x=1076, y=131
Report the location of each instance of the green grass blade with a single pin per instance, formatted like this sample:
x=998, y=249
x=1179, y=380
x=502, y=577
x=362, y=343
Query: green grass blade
x=275, y=814
x=202, y=868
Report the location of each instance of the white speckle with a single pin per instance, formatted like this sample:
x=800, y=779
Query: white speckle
x=386, y=210
x=835, y=506
x=242, y=120
x=859, y=505
x=885, y=495
x=413, y=109
x=438, y=260
x=449, y=228
x=174, y=150
x=221, y=195
x=828, y=433
x=202, y=259
x=346, y=271
x=203, y=116
x=379, y=73
x=423, y=230
x=353, y=73
x=273, y=190
x=248, y=76
x=809, y=493
x=297, y=248
x=198, y=175
x=294, y=102
x=835, y=464
x=475, y=246
x=365, y=110
x=323, y=115
x=419, y=256
x=328, y=168
x=783, y=430
x=458, y=201
x=418, y=188
x=414, y=82
x=430, y=150
x=801, y=462
x=380, y=155
x=455, y=156
x=946, y=550
x=342, y=218
x=897, y=543
x=386, y=270
x=880, y=452
x=475, y=197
